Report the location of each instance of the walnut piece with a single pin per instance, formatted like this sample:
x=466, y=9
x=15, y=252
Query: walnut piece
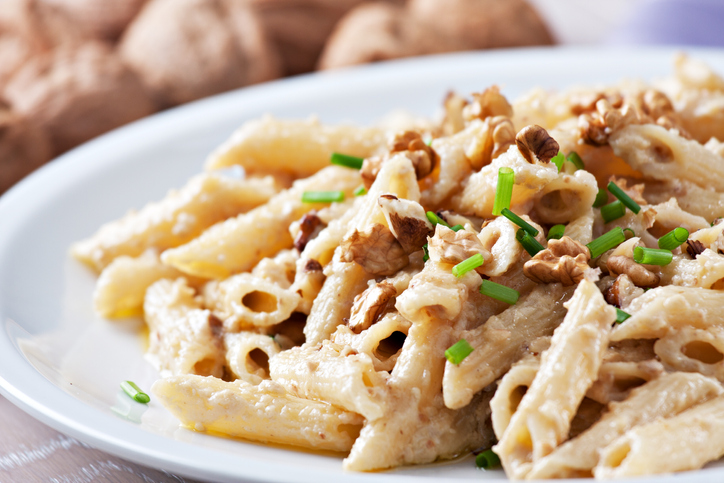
x=586, y=102
x=371, y=305
x=422, y=156
x=694, y=248
x=453, y=247
x=596, y=127
x=622, y=292
x=309, y=227
x=564, y=261
x=638, y=274
x=489, y=103
x=407, y=221
x=535, y=144
x=375, y=249
x=370, y=169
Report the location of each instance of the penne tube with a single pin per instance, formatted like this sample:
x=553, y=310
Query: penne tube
x=566, y=198
x=239, y=243
x=181, y=216
x=248, y=354
x=264, y=412
x=299, y=148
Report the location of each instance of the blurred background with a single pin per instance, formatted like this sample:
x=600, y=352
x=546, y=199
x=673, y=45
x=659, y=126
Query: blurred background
x=71, y=70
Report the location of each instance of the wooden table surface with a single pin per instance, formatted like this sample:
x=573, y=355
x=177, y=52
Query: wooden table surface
x=33, y=452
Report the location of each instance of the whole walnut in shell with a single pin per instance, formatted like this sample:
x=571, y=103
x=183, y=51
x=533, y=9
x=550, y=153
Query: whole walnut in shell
x=373, y=32
x=99, y=19
x=187, y=49
x=75, y=94
x=23, y=148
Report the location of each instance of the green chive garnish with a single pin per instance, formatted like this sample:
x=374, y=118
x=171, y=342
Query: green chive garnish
x=612, y=211
x=558, y=160
x=346, y=160
x=623, y=197
x=601, y=198
x=322, y=196
x=519, y=221
x=436, y=220
x=574, y=158
x=457, y=228
x=467, y=265
x=531, y=245
x=556, y=232
x=426, y=254
x=458, y=351
x=504, y=191
x=629, y=233
x=487, y=460
x=652, y=256
x=675, y=238
x=621, y=316
x=360, y=191
x=135, y=392
x=499, y=292
x=605, y=242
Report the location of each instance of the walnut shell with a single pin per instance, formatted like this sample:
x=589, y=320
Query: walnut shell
x=75, y=94
x=103, y=20
x=187, y=49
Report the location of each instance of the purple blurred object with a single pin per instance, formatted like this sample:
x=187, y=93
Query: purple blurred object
x=673, y=22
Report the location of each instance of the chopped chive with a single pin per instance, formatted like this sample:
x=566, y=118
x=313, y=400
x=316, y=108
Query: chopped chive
x=626, y=231
x=574, y=158
x=135, y=392
x=457, y=227
x=457, y=352
x=531, y=245
x=621, y=316
x=601, y=198
x=465, y=266
x=652, y=256
x=612, y=211
x=426, y=254
x=556, y=232
x=322, y=196
x=499, y=292
x=519, y=221
x=429, y=141
x=360, y=191
x=487, y=460
x=623, y=197
x=605, y=242
x=346, y=160
x=675, y=238
x=504, y=191
x=558, y=160
x=436, y=220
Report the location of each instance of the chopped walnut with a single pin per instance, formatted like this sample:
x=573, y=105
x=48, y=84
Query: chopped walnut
x=407, y=221
x=370, y=169
x=375, y=249
x=596, y=127
x=216, y=325
x=503, y=135
x=654, y=107
x=639, y=275
x=309, y=227
x=312, y=265
x=497, y=136
x=694, y=248
x=564, y=261
x=421, y=155
x=622, y=292
x=371, y=305
x=583, y=103
x=535, y=144
x=453, y=247
x=489, y=103
x=636, y=191
x=453, y=121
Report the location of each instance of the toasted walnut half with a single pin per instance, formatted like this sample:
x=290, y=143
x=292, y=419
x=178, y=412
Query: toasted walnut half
x=422, y=156
x=489, y=103
x=375, y=249
x=622, y=292
x=453, y=247
x=371, y=305
x=564, y=261
x=639, y=275
x=407, y=221
x=535, y=144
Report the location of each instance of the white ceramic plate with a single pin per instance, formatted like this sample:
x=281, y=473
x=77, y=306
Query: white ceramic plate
x=62, y=364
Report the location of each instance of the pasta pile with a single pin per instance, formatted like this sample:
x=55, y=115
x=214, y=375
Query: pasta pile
x=367, y=325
